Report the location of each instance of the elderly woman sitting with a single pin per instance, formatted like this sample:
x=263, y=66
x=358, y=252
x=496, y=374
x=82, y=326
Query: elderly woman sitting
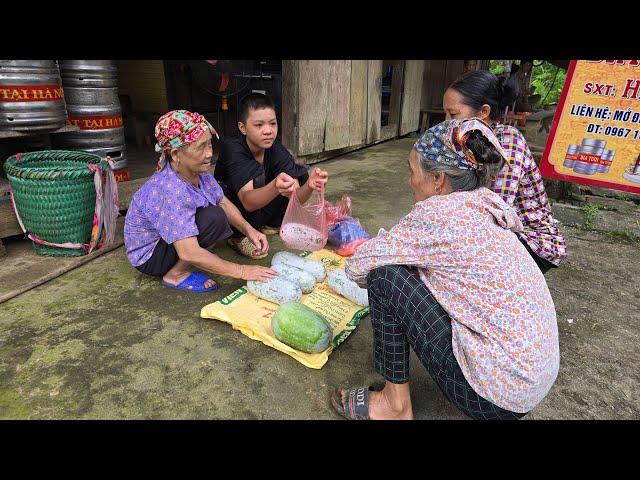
x=452, y=281
x=181, y=212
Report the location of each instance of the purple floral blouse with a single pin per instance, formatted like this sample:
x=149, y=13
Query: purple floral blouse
x=165, y=207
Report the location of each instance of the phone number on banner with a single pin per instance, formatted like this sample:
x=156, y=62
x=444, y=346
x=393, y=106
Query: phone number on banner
x=611, y=131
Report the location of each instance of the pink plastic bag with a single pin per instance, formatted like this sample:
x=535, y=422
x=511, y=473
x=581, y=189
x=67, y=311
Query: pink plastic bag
x=339, y=211
x=304, y=227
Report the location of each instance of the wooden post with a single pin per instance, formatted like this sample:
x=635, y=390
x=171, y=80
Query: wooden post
x=358, y=103
x=313, y=86
x=290, y=106
x=374, y=98
x=337, y=128
x=411, y=96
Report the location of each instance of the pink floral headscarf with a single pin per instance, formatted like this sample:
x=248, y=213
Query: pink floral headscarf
x=177, y=128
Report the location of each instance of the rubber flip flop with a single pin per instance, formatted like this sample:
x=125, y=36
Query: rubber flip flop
x=270, y=230
x=193, y=283
x=353, y=404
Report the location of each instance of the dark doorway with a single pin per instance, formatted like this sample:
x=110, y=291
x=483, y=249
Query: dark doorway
x=385, y=105
x=391, y=95
x=215, y=88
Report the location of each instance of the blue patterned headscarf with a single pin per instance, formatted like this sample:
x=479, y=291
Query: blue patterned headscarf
x=446, y=143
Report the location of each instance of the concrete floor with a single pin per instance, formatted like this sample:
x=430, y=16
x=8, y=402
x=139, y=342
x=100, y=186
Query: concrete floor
x=105, y=342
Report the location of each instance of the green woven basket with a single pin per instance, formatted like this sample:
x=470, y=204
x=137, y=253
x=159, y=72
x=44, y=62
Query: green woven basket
x=55, y=196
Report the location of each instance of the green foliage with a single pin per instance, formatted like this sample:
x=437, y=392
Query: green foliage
x=496, y=66
x=547, y=80
x=590, y=215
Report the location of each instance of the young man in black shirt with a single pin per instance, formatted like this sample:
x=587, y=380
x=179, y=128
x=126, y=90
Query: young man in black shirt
x=258, y=174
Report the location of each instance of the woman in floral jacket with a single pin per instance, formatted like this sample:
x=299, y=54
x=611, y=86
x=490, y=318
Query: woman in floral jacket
x=452, y=281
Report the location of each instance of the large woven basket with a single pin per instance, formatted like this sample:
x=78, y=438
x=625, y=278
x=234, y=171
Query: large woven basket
x=55, y=195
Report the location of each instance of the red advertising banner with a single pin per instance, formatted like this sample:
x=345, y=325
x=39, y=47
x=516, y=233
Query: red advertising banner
x=595, y=137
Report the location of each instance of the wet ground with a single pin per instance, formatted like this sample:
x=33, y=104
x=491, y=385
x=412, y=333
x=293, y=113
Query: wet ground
x=104, y=341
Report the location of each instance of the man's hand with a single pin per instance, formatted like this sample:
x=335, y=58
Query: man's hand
x=259, y=239
x=285, y=184
x=317, y=179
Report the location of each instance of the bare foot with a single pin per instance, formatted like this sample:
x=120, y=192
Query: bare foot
x=382, y=408
x=177, y=279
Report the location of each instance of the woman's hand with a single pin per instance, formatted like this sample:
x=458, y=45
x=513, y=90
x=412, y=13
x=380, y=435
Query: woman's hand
x=317, y=179
x=285, y=184
x=259, y=239
x=256, y=272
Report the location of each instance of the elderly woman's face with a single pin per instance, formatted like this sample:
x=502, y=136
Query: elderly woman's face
x=196, y=156
x=421, y=183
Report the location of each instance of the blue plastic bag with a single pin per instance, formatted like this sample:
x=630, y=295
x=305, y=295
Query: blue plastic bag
x=347, y=235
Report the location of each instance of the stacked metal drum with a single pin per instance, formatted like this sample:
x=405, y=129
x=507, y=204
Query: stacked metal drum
x=571, y=156
x=91, y=94
x=606, y=159
x=31, y=96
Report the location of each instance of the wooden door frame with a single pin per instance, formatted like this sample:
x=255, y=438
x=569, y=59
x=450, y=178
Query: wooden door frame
x=397, y=83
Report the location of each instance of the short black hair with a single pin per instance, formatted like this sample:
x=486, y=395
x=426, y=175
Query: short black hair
x=254, y=101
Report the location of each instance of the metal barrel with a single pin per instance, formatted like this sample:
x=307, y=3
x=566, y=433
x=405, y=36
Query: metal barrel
x=606, y=161
x=89, y=73
x=97, y=112
x=31, y=96
x=594, y=143
x=572, y=153
x=593, y=147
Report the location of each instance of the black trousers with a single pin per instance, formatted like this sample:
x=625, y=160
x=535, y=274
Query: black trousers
x=543, y=264
x=213, y=226
x=405, y=314
x=270, y=215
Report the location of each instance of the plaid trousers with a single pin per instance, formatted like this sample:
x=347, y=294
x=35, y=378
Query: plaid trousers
x=404, y=313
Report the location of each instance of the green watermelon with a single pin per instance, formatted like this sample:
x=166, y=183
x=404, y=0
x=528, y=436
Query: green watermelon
x=302, y=328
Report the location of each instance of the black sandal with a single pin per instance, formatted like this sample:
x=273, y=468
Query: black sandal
x=353, y=404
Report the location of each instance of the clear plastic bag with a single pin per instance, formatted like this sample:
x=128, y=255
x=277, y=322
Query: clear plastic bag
x=304, y=227
x=347, y=235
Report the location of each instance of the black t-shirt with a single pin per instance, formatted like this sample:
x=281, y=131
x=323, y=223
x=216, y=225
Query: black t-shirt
x=237, y=166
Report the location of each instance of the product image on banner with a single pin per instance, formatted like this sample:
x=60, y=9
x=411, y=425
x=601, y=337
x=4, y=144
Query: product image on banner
x=595, y=135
